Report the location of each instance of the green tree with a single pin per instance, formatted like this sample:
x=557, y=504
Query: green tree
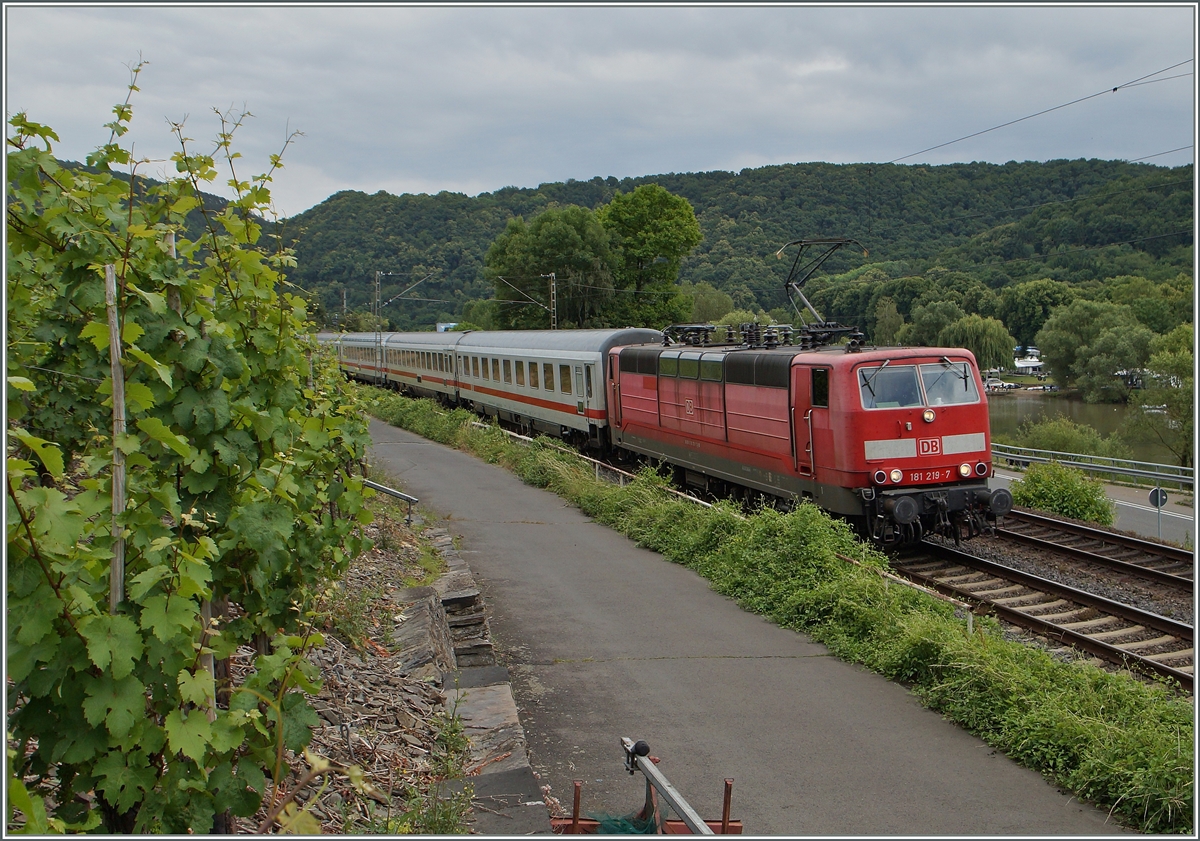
x=1112, y=366
x=1160, y=306
x=708, y=303
x=652, y=231
x=928, y=322
x=1072, y=349
x=888, y=322
x=568, y=242
x=1062, y=435
x=1024, y=307
x=985, y=337
x=1165, y=412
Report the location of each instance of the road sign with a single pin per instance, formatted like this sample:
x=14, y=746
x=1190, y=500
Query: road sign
x=1158, y=498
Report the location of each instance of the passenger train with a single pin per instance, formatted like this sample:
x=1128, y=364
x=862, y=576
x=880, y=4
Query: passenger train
x=896, y=440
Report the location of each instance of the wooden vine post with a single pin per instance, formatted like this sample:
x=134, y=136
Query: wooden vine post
x=116, y=581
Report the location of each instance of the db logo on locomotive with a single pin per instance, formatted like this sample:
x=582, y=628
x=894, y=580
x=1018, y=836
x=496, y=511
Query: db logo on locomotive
x=929, y=446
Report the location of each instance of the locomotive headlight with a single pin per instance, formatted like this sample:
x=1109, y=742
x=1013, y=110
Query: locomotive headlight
x=880, y=477
x=964, y=470
x=981, y=469
x=928, y=415
x=897, y=474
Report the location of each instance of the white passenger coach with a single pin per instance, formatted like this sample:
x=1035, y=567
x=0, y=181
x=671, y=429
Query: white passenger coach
x=550, y=381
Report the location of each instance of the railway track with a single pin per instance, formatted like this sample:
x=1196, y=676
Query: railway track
x=1130, y=555
x=1112, y=631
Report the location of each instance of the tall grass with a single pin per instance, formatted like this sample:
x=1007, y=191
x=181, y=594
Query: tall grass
x=1119, y=742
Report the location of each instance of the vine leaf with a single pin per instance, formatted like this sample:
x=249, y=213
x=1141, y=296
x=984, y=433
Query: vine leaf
x=112, y=641
x=164, y=373
x=118, y=703
x=166, y=616
x=49, y=454
x=162, y=433
x=189, y=734
x=195, y=688
x=122, y=777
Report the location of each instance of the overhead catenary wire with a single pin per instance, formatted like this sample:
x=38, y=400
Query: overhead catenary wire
x=1141, y=80
x=1078, y=198
x=1158, y=154
x=1188, y=231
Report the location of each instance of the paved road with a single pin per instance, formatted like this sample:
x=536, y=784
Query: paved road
x=1177, y=522
x=607, y=640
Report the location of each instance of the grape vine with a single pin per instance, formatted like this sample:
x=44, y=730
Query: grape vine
x=242, y=456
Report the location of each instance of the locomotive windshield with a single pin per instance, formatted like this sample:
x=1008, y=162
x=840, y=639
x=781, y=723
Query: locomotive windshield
x=948, y=383
x=900, y=386
x=889, y=387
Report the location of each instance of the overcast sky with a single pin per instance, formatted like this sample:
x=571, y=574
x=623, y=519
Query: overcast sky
x=470, y=99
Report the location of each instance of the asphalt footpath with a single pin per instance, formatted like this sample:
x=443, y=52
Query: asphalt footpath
x=603, y=640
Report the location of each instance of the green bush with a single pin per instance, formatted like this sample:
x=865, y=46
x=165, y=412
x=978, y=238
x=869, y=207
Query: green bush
x=1066, y=491
x=1116, y=741
x=1062, y=435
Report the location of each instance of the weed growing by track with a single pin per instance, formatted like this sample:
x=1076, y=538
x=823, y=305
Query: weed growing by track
x=1116, y=741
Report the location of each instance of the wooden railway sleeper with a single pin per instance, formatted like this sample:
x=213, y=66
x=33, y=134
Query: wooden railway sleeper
x=1169, y=655
x=1054, y=617
x=1088, y=623
x=1012, y=588
x=1043, y=606
x=1140, y=644
x=1117, y=634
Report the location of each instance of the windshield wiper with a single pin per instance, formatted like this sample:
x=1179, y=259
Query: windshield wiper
x=966, y=378
x=868, y=380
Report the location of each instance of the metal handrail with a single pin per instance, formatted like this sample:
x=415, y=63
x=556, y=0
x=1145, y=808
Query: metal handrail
x=1159, y=473
x=637, y=756
x=411, y=500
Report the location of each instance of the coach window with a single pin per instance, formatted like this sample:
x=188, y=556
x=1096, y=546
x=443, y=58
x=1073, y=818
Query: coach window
x=820, y=387
x=508, y=371
x=564, y=379
x=496, y=370
x=587, y=369
x=548, y=375
x=475, y=367
x=533, y=375
x=520, y=372
x=483, y=363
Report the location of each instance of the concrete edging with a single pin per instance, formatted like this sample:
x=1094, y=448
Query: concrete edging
x=444, y=637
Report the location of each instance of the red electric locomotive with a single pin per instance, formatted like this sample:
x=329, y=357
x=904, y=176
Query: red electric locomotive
x=895, y=439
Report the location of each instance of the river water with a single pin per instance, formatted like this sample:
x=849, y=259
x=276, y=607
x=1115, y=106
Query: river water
x=1009, y=410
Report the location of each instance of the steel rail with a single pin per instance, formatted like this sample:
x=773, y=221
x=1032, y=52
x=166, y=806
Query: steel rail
x=1150, y=547
x=1128, y=567
x=1043, y=627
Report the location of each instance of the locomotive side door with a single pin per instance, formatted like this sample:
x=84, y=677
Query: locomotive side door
x=810, y=409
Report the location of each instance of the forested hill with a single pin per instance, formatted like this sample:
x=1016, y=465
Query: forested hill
x=995, y=224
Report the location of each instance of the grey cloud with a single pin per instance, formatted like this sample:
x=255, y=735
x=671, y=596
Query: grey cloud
x=478, y=98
